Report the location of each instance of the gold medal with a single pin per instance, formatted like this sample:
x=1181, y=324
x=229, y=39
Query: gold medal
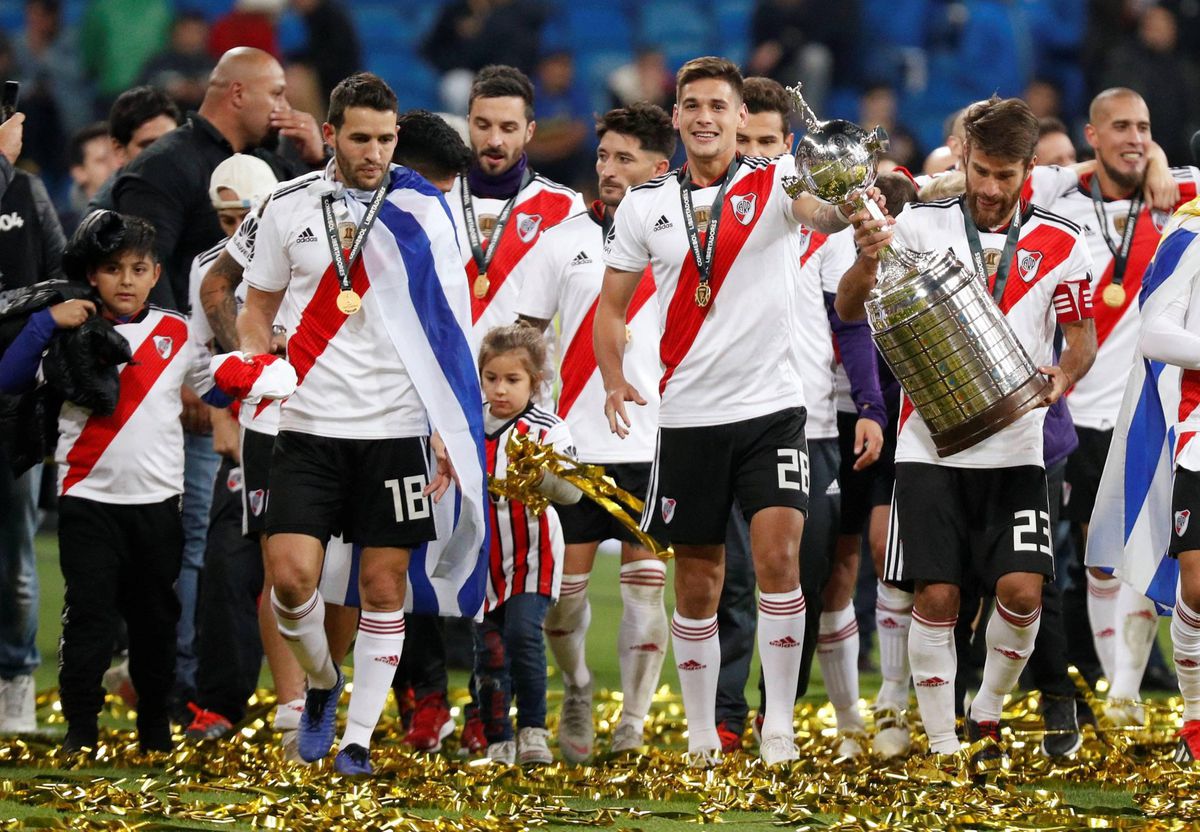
x=482, y=285
x=1113, y=295
x=348, y=301
x=703, y=295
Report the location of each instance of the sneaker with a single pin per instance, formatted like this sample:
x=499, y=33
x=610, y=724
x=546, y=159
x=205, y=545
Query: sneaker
x=118, y=682
x=851, y=744
x=1061, y=737
x=353, y=761
x=154, y=733
x=431, y=723
x=289, y=741
x=533, y=747
x=628, y=737
x=777, y=749
x=318, y=723
x=502, y=752
x=207, y=725
x=731, y=738
x=1125, y=713
x=18, y=711
x=985, y=753
x=892, y=737
x=702, y=758
x=80, y=739
x=473, y=741
x=1189, y=743
x=576, y=733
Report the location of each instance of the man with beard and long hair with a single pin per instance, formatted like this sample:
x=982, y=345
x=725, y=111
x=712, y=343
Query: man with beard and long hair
x=980, y=516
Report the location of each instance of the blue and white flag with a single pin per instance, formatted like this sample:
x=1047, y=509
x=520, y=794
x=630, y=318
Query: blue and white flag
x=416, y=271
x=1131, y=524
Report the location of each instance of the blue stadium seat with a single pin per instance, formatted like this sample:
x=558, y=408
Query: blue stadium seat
x=592, y=70
x=604, y=28
x=12, y=15
x=293, y=37
x=412, y=79
x=675, y=22
x=211, y=9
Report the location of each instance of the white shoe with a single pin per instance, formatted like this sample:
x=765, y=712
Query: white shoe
x=18, y=713
x=777, y=749
x=289, y=741
x=1125, y=713
x=703, y=758
x=892, y=737
x=576, y=732
x=851, y=744
x=533, y=747
x=502, y=752
x=628, y=737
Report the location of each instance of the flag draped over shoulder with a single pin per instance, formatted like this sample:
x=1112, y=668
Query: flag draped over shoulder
x=416, y=273
x=1131, y=524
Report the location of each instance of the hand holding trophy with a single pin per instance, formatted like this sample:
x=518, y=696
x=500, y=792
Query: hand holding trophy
x=941, y=332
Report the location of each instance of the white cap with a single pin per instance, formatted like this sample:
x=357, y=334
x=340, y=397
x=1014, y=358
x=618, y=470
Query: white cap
x=247, y=176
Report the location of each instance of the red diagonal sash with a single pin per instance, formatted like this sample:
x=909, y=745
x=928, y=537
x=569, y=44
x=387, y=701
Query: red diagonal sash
x=1054, y=245
x=684, y=317
x=321, y=318
x=579, y=362
x=137, y=379
x=1145, y=242
x=552, y=207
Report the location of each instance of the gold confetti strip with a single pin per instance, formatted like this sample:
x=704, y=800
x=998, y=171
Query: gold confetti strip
x=244, y=780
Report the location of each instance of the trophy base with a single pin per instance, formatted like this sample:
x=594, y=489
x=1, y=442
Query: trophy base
x=997, y=417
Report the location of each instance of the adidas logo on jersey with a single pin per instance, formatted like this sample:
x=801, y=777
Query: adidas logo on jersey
x=663, y=223
x=306, y=236
x=786, y=641
x=581, y=259
x=932, y=682
x=692, y=664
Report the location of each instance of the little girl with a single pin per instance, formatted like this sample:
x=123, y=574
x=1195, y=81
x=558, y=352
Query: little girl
x=525, y=566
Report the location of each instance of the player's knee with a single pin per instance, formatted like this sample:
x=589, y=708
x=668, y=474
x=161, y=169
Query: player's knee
x=1020, y=600
x=381, y=589
x=939, y=602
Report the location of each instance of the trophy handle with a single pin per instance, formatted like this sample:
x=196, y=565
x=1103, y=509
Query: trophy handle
x=861, y=202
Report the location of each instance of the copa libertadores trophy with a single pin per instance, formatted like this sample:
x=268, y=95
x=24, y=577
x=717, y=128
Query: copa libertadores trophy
x=934, y=321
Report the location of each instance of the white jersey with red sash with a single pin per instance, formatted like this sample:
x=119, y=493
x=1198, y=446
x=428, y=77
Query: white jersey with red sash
x=352, y=383
x=564, y=274
x=135, y=455
x=824, y=260
x=733, y=359
x=1096, y=399
x=539, y=205
x=1048, y=282
x=526, y=550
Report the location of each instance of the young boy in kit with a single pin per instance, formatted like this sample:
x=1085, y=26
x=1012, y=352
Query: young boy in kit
x=120, y=478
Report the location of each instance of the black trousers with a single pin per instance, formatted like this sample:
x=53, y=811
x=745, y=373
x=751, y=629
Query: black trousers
x=118, y=562
x=423, y=662
x=228, y=644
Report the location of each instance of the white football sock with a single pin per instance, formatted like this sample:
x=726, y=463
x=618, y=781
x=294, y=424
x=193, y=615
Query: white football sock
x=780, y=648
x=698, y=659
x=1137, y=627
x=287, y=715
x=642, y=638
x=837, y=651
x=377, y=652
x=1102, y=614
x=566, y=627
x=893, y=618
x=303, y=628
x=934, y=664
x=1010, y=640
x=1185, y=633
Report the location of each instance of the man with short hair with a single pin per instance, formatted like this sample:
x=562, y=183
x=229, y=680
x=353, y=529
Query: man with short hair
x=723, y=242
x=830, y=630
x=565, y=272
x=138, y=118
x=501, y=205
x=378, y=339
x=1122, y=233
x=981, y=515
x=92, y=163
x=1054, y=145
x=426, y=143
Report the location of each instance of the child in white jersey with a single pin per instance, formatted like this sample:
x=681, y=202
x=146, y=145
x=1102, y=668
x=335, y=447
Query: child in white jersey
x=525, y=565
x=120, y=479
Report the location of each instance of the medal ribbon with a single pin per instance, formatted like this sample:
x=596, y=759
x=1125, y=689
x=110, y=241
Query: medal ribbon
x=482, y=258
x=1120, y=253
x=1006, y=256
x=341, y=262
x=704, y=258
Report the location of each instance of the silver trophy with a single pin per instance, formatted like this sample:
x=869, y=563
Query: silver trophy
x=934, y=322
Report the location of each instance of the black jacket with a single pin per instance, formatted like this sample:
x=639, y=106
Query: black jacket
x=31, y=237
